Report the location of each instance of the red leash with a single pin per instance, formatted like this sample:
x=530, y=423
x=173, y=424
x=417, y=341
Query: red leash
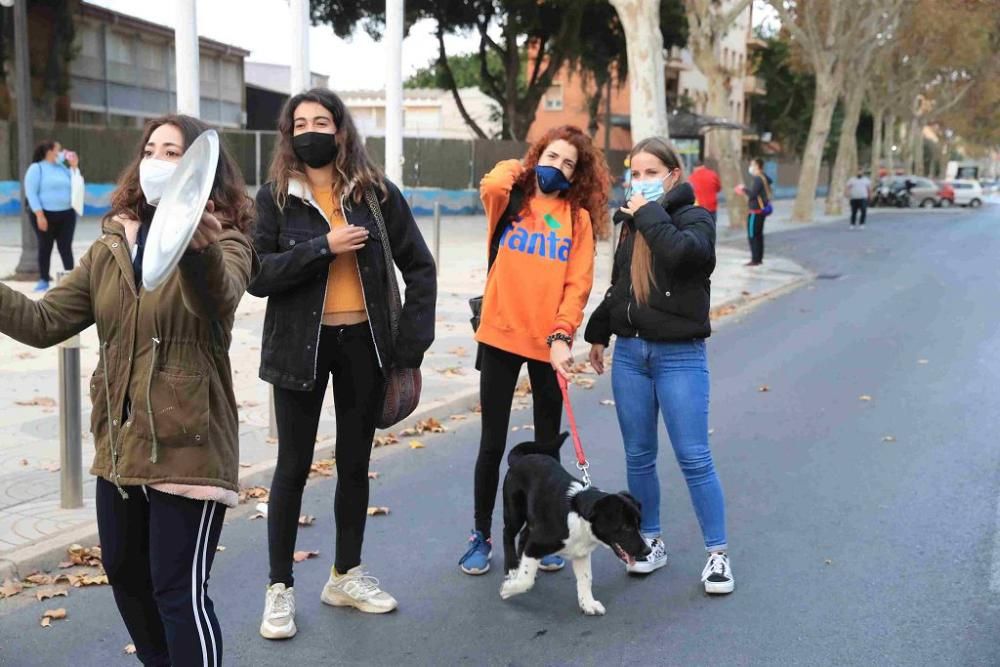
x=581, y=459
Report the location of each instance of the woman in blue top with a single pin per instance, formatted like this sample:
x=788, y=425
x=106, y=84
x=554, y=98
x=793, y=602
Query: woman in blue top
x=48, y=186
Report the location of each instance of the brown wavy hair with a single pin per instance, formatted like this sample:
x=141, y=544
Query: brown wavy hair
x=642, y=256
x=591, y=178
x=233, y=206
x=353, y=170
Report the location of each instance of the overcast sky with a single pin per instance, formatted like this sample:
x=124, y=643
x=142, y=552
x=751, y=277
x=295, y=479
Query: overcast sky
x=260, y=26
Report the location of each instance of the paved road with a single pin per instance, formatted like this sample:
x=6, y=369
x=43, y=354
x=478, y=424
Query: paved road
x=848, y=549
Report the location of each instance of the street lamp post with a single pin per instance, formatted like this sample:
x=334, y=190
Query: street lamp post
x=27, y=266
x=301, y=77
x=187, y=58
x=394, y=92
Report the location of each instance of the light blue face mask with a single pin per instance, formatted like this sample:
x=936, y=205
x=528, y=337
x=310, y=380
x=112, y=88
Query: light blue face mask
x=61, y=157
x=651, y=189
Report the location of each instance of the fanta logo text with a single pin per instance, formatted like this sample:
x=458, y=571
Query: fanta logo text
x=550, y=247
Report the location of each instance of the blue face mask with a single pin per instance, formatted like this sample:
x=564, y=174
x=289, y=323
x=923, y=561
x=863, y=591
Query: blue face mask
x=651, y=189
x=61, y=156
x=551, y=179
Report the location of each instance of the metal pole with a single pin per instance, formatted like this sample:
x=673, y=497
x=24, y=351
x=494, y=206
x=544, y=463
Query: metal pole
x=70, y=441
x=187, y=59
x=394, y=91
x=437, y=235
x=301, y=77
x=28, y=263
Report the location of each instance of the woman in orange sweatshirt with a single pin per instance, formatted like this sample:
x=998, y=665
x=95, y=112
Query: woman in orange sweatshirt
x=550, y=207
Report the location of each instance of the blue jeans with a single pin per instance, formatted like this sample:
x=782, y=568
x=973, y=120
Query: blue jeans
x=671, y=377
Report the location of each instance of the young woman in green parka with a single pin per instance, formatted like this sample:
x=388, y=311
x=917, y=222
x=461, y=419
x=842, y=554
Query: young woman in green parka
x=164, y=415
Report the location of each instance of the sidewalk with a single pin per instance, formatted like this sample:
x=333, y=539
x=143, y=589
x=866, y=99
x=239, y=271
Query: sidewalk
x=34, y=531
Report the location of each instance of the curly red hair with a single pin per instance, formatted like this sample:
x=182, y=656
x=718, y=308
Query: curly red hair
x=591, y=177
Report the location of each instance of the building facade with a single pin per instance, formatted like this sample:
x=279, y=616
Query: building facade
x=427, y=112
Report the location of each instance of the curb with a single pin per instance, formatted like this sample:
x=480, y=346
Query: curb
x=45, y=554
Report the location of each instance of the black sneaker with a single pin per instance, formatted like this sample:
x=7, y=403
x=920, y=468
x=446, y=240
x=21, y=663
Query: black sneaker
x=717, y=575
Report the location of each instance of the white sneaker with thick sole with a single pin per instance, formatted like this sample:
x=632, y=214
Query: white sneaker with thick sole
x=717, y=575
x=357, y=589
x=656, y=559
x=279, y=613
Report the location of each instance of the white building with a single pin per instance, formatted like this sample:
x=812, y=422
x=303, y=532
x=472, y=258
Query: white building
x=427, y=112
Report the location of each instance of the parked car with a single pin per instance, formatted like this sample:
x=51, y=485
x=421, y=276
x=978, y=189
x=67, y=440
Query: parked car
x=968, y=193
x=909, y=190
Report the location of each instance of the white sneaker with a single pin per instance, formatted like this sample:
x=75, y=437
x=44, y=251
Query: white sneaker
x=357, y=589
x=656, y=559
x=717, y=575
x=279, y=613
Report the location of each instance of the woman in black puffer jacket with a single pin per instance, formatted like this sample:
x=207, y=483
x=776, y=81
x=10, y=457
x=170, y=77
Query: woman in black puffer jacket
x=658, y=306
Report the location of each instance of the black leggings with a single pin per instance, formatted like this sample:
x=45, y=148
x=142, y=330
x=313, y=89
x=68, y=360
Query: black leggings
x=62, y=226
x=157, y=550
x=755, y=235
x=347, y=353
x=497, y=381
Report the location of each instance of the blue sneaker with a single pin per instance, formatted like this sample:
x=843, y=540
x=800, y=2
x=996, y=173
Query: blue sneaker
x=42, y=286
x=477, y=559
x=552, y=563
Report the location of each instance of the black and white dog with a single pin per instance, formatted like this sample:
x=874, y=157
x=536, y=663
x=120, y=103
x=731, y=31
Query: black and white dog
x=555, y=514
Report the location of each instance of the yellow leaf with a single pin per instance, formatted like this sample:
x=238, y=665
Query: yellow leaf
x=10, y=588
x=307, y=520
x=458, y=351
x=40, y=401
x=374, y=511
x=416, y=444
x=584, y=383
x=51, y=593
x=46, y=622
x=388, y=439
x=52, y=615
x=252, y=492
x=458, y=418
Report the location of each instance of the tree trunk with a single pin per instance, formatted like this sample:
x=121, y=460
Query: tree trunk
x=890, y=141
x=847, y=149
x=824, y=102
x=647, y=85
x=879, y=119
x=724, y=145
x=917, y=151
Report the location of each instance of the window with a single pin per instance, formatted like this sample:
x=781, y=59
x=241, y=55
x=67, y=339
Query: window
x=554, y=98
x=121, y=58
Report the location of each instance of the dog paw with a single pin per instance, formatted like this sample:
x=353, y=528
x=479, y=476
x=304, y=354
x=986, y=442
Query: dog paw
x=592, y=608
x=509, y=589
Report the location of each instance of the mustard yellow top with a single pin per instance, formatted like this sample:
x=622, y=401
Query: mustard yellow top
x=343, y=284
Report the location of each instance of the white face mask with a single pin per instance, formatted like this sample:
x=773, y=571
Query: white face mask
x=153, y=177
x=751, y=170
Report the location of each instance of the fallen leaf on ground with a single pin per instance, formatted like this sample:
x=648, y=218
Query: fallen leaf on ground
x=323, y=438
x=864, y=397
x=888, y=438
x=745, y=293
x=24, y=462
x=65, y=564
x=300, y=556
x=722, y=311
x=585, y=383
x=52, y=614
x=515, y=429
x=458, y=418
x=247, y=404
x=523, y=388
x=45, y=594
x=583, y=367
x=452, y=371
x=711, y=431
x=429, y=425
x=78, y=580
x=416, y=444
x=245, y=465
x=458, y=351
x=528, y=427
x=607, y=401
x=923, y=361
x=477, y=408
x=251, y=492
x=322, y=468
x=220, y=548
x=257, y=515
x=307, y=520
x=40, y=401
x=25, y=355
x=374, y=511
x=51, y=467
x=388, y=439
x=828, y=562
x=10, y=588
x=763, y=388
x=372, y=474
x=80, y=555
x=129, y=649
x=272, y=441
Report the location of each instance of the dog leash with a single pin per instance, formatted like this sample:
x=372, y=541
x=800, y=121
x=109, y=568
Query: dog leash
x=581, y=459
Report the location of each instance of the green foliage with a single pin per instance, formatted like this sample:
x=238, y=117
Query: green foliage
x=786, y=110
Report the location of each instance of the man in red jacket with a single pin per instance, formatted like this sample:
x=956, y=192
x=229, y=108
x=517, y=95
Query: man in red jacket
x=706, y=184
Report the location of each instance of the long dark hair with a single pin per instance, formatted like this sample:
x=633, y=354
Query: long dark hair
x=642, y=256
x=353, y=171
x=591, y=178
x=233, y=206
x=41, y=149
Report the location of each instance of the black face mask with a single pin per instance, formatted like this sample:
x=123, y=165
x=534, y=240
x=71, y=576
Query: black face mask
x=316, y=149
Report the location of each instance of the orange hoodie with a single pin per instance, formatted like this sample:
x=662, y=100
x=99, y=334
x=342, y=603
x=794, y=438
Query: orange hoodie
x=543, y=274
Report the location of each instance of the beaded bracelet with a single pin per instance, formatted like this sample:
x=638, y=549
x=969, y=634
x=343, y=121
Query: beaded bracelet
x=559, y=336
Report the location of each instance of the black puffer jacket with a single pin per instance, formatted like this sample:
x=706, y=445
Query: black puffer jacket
x=682, y=239
x=295, y=261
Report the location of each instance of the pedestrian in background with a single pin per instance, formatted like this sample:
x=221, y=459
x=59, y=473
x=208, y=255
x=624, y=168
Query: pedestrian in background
x=49, y=185
x=164, y=419
x=543, y=215
x=759, y=201
x=324, y=273
x=859, y=191
x=658, y=307
x=705, y=181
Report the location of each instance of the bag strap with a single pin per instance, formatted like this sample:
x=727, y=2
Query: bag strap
x=395, y=302
x=767, y=188
x=514, y=203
